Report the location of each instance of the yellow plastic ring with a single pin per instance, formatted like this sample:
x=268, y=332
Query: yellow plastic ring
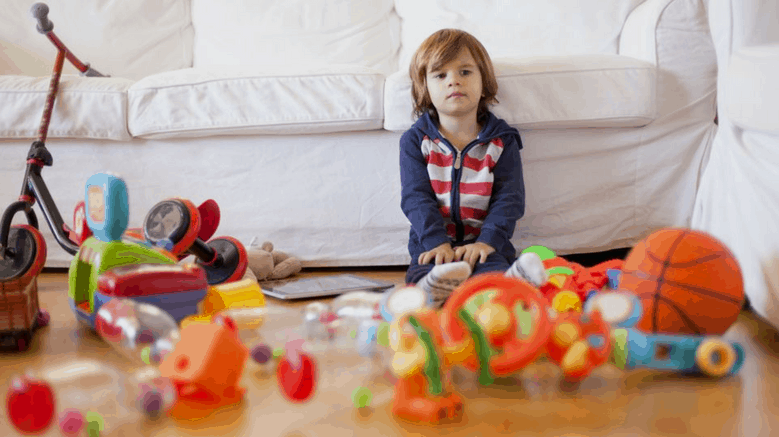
x=715, y=357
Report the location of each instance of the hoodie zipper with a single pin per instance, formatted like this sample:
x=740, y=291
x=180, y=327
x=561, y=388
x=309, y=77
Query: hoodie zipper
x=459, y=227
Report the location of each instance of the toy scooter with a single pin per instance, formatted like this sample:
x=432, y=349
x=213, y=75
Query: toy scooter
x=22, y=247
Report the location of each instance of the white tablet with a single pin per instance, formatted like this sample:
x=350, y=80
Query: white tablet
x=321, y=286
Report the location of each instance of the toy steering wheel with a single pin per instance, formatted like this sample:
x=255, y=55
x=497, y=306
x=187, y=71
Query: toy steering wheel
x=505, y=352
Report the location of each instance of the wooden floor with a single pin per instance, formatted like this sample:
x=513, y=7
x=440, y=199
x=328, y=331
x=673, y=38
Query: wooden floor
x=611, y=402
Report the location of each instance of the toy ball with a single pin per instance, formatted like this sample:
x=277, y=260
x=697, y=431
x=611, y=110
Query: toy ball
x=361, y=397
x=688, y=282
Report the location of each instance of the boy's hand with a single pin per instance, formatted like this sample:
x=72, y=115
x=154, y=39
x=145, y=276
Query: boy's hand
x=473, y=252
x=441, y=254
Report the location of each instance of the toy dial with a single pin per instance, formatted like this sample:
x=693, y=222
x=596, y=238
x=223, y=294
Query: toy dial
x=166, y=220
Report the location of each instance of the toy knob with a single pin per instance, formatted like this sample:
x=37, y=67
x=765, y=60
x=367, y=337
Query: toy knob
x=566, y=300
x=565, y=334
x=575, y=359
x=406, y=364
x=494, y=318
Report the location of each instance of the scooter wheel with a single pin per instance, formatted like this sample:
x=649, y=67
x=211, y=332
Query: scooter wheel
x=235, y=260
x=27, y=248
x=715, y=357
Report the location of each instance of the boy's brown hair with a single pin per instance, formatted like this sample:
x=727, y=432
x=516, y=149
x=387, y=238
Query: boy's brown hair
x=440, y=48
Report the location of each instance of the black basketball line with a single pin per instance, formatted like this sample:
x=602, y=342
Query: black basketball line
x=639, y=274
x=705, y=292
x=701, y=260
x=661, y=277
x=642, y=276
x=696, y=329
x=690, y=263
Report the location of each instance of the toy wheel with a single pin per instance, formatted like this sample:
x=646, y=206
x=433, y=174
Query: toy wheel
x=234, y=261
x=25, y=244
x=23, y=341
x=715, y=357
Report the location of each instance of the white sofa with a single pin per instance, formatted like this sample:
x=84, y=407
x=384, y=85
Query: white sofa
x=738, y=200
x=288, y=113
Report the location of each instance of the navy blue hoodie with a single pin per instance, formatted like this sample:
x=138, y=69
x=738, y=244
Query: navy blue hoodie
x=462, y=197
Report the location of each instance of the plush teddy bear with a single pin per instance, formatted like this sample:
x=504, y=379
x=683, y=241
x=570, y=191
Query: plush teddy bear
x=267, y=263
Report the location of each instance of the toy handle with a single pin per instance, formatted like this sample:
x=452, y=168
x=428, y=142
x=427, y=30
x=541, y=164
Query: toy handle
x=40, y=12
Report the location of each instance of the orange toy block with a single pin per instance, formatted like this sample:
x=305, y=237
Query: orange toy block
x=205, y=367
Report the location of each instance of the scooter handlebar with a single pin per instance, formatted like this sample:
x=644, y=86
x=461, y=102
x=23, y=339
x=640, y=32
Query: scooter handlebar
x=40, y=12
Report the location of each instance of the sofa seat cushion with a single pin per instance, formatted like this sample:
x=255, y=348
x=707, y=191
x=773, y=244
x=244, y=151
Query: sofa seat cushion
x=85, y=107
x=254, y=100
x=751, y=96
x=555, y=92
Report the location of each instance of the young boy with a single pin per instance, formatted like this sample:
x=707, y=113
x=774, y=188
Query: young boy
x=461, y=173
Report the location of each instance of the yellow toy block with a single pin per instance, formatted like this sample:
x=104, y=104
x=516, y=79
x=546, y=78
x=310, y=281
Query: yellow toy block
x=239, y=294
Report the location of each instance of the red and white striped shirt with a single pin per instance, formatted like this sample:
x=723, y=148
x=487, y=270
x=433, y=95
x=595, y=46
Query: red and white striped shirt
x=474, y=181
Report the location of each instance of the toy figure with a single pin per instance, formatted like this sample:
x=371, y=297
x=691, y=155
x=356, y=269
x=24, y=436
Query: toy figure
x=267, y=263
x=421, y=363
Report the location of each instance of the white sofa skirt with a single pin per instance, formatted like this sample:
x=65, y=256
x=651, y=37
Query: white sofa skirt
x=334, y=199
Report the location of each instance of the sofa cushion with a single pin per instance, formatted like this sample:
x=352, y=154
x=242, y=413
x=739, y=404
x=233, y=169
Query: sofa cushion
x=130, y=39
x=554, y=92
x=281, y=32
x=518, y=28
x=252, y=100
x=86, y=107
x=751, y=97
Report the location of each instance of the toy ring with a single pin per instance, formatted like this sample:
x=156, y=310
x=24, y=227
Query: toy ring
x=715, y=357
x=516, y=352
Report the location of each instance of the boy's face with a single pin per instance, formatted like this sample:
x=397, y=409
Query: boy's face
x=455, y=88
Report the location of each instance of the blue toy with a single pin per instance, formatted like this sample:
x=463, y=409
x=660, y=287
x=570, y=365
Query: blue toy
x=709, y=355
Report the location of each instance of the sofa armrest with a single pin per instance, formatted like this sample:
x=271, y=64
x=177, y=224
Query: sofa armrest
x=674, y=36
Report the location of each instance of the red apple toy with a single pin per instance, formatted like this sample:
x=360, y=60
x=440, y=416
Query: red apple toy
x=30, y=405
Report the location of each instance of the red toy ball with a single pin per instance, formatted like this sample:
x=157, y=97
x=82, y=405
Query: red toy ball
x=30, y=405
x=688, y=283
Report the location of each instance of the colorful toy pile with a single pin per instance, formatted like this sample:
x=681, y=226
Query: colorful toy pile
x=494, y=325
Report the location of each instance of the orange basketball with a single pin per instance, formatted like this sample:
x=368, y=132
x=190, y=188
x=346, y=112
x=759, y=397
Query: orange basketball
x=688, y=283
